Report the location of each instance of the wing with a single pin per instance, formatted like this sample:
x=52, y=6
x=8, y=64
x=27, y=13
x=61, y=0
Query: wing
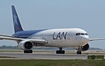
x=21, y=39
x=94, y=39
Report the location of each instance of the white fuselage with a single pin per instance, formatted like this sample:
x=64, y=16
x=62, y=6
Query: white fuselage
x=68, y=37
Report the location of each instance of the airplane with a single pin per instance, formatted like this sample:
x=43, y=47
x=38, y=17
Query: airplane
x=61, y=37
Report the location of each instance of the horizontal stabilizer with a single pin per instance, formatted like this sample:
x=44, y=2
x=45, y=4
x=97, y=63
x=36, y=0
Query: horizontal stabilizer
x=5, y=35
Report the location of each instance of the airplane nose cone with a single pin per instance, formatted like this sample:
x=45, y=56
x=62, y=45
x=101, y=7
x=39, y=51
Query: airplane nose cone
x=85, y=39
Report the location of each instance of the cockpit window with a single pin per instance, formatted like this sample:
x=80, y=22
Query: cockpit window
x=86, y=34
x=81, y=34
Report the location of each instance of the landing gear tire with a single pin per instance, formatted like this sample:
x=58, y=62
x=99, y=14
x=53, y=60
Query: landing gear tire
x=79, y=52
x=60, y=51
x=28, y=51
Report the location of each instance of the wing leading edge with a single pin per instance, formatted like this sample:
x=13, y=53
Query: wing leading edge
x=21, y=39
x=95, y=39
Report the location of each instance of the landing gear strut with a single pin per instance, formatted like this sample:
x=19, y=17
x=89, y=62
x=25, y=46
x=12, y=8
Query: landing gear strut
x=79, y=50
x=60, y=51
x=28, y=51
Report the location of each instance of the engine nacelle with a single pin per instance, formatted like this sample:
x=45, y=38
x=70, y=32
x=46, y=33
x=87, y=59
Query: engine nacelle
x=85, y=47
x=25, y=45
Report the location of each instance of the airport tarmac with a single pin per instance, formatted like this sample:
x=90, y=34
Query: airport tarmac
x=43, y=55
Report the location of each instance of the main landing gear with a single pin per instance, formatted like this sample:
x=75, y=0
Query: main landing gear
x=28, y=51
x=60, y=51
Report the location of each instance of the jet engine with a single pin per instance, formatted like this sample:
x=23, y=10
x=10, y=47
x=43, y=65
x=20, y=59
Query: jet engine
x=25, y=45
x=85, y=47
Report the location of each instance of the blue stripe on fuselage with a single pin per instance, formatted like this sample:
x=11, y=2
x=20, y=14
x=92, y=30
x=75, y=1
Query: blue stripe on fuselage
x=26, y=34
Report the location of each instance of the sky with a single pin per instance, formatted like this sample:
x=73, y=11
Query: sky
x=46, y=14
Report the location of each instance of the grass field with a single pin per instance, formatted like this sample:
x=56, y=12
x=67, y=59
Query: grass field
x=52, y=62
x=98, y=61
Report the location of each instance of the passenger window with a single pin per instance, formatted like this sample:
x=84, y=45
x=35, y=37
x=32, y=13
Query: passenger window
x=77, y=34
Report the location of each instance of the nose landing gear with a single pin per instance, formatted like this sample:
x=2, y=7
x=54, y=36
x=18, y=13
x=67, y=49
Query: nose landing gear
x=79, y=50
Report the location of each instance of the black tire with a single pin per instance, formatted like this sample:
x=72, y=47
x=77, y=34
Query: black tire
x=63, y=52
x=57, y=52
x=78, y=52
x=60, y=52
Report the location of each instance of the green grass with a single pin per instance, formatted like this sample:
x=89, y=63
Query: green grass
x=52, y=62
x=96, y=57
x=98, y=61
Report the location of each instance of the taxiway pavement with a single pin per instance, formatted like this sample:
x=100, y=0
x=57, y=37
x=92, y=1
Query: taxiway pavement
x=43, y=55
